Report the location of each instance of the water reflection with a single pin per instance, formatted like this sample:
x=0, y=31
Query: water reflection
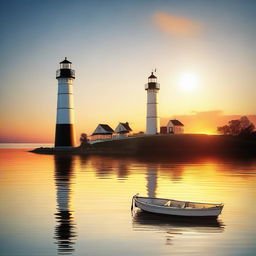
x=152, y=172
x=173, y=226
x=102, y=166
x=151, y=180
x=65, y=233
x=102, y=206
x=175, y=171
x=122, y=169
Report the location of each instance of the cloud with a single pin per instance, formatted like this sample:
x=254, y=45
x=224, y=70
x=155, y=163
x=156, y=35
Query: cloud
x=176, y=25
x=205, y=121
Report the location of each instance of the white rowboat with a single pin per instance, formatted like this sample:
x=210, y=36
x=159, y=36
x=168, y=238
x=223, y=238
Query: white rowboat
x=177, y=208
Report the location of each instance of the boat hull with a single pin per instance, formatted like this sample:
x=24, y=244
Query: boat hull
x=212, y=212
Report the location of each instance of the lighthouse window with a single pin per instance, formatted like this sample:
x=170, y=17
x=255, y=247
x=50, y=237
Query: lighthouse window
x=152, y=80
x=65, y=65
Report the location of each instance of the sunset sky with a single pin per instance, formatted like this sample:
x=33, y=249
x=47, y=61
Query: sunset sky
x=203, y=50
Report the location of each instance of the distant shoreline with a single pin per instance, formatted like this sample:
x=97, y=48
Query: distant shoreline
x=24, y=145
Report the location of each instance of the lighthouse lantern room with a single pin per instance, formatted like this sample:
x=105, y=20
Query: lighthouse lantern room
x=64, y=135
x=152, y=88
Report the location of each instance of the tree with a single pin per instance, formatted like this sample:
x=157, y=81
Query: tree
x=249, y=130
x=241, y=127
x=224, y=129
x=245, y=122
x=235, y=127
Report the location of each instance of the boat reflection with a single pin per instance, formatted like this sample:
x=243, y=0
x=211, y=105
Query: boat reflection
x=65, y=233
x=173, y=226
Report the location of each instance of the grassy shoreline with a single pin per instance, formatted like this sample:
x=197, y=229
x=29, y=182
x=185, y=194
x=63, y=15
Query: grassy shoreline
x=157, y=145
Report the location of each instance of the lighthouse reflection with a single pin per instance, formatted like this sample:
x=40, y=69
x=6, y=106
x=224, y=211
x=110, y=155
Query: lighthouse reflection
x=151, y=180
x=65, y=232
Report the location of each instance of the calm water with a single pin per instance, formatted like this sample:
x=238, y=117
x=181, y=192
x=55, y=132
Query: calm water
x=53, y=205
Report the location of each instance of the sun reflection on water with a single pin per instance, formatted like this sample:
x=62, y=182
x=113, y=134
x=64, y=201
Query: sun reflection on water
x=92, y=195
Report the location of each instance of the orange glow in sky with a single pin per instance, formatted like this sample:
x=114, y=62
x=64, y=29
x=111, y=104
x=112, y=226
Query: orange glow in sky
x=204, y=66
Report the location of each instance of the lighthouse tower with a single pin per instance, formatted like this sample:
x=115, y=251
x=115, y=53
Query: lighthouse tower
x=64, y=136
x=152, y=88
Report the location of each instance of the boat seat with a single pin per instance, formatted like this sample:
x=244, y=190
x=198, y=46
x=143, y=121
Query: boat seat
x=174, y=204
x=168, y=204
x=183, y=206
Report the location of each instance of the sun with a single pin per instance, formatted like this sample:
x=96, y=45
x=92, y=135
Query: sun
x=188, y=82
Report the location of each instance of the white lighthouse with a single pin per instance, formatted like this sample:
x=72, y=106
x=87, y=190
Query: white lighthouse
x=152, y=88
x=64, y=136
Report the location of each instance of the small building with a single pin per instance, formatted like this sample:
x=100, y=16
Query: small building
x=163, y=130
x=123, y=129
x=102, y=132
x=175, y=127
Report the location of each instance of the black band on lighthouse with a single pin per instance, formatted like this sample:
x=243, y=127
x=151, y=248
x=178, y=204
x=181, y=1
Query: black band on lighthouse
x=64, y=136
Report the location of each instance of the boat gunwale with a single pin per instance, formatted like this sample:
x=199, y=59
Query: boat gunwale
x=216, y=207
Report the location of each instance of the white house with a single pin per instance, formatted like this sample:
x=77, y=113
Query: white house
x=103, y=131
x=123, y=129
x=175, y=127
